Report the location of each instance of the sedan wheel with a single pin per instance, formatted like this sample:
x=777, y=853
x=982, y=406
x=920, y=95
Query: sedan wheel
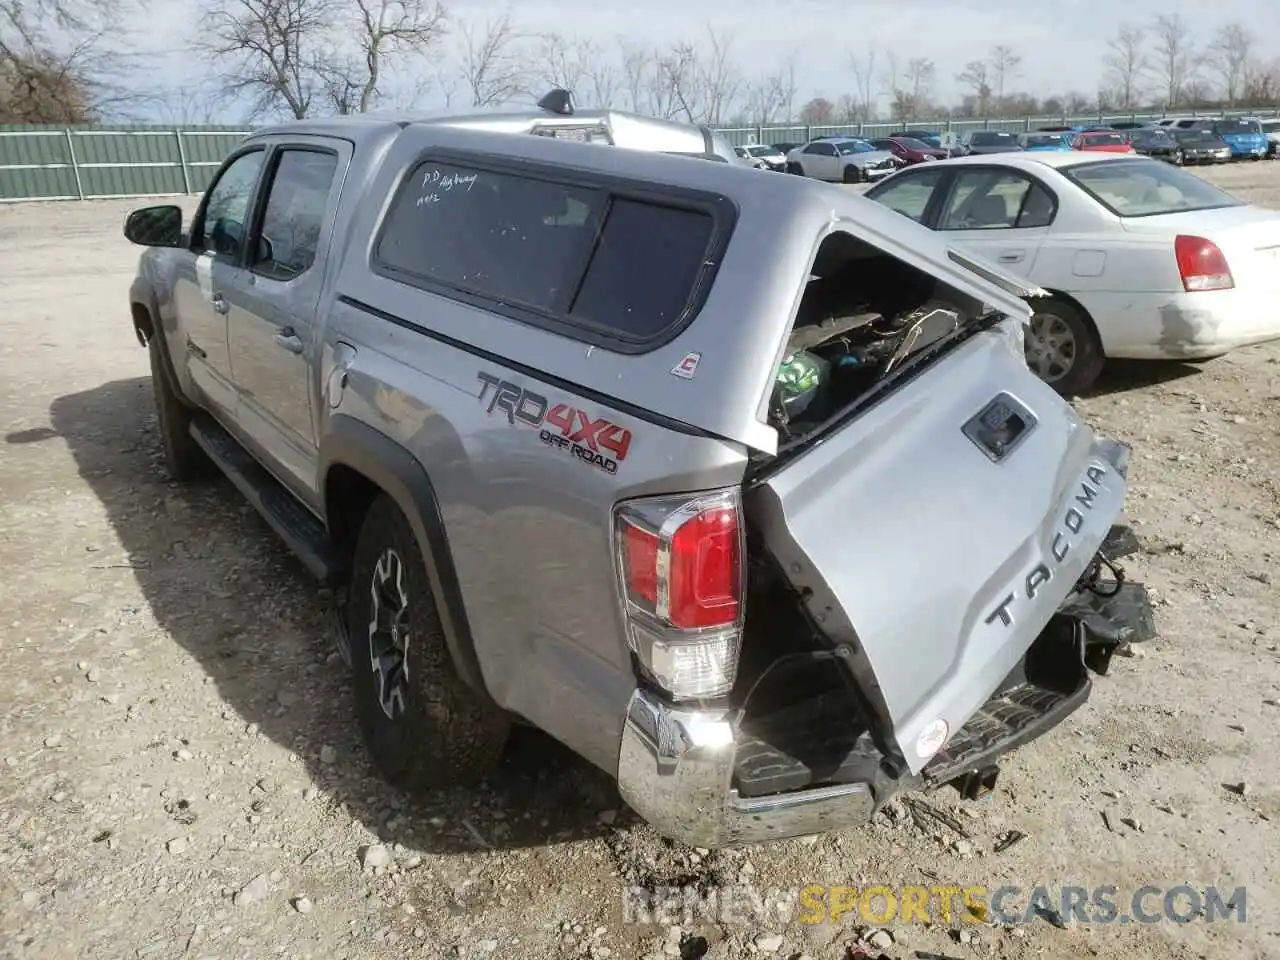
x=1051, y=347
x=1178, y=158
x=1062, y=347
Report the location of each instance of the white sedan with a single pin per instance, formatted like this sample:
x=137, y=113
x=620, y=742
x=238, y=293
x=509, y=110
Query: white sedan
x=1144, y=260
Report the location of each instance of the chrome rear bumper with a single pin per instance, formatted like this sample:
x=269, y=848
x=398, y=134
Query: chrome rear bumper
x=675, y=769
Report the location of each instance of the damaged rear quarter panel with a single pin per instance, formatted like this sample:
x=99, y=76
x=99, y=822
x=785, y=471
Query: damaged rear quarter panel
x=526, y=473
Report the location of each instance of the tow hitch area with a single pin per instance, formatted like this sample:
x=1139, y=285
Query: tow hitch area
x=1101, y=617
x=1111, y=612
x=977, y=783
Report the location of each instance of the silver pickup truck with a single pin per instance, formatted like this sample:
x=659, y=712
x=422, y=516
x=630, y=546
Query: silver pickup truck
x=737, y=485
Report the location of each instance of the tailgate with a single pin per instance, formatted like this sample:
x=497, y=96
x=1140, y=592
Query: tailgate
x=938, y=561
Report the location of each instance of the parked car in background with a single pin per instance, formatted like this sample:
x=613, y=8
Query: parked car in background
x=951, y=142
x=1057, y=129
x=988, y=141
x=786, y=147
x=1272, y=129
x=1143, y=259
x=1101, y=141
x=1244, y=136
x=909, y=150
x=1038, y=141
x=763, y=156
x=1129, y=125
x=842, y=160
x=932, y=138
x=1201, y=146
x=1156, y=142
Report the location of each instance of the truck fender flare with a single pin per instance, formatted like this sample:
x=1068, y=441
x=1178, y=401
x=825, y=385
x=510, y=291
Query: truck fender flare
x=142, y=295
x=396, y=472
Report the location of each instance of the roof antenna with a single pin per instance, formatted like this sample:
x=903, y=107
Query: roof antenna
x=558, y=101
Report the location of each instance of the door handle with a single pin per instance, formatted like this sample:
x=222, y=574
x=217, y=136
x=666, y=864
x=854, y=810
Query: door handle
x=1014, y=256
x=220, y=303
x=288, y=340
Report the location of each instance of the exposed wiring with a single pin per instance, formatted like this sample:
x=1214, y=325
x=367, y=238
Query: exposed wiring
x=1092, y=581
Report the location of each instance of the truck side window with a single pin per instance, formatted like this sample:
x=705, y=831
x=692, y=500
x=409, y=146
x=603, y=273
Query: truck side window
x=533, y=242
x=294, y=214
x=227, y=210
x=509, y=238
x=642, y=274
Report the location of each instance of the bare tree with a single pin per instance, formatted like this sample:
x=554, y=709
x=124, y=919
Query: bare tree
x=718, y=75
x=908, y=87
x=892, y=80
x=186, y=106
x=1004, y=64
x=602, y=78
x=817, y=112
x=1174, y=55
x=494, y=67
x=789, y=85
x=1126, y=65
x=63, y=61
x=848, y=109
x=977, y=75
x=1075, y=103
x=394, y=31
x=269, y=51
x=636, y=79
x=1263, y=85
x=920, y=76
x=673, y=83
x=864, y=76
x=1230, y=56
x=560, y=62
x=768, y=99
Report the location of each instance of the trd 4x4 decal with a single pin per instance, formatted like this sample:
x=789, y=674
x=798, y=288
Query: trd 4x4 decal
x=595, y=441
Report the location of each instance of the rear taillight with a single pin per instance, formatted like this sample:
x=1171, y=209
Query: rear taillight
x=1201, y=264
x=680, y=566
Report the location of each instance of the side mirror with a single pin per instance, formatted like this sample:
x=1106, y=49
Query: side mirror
x=159, y=226
x=265, y=252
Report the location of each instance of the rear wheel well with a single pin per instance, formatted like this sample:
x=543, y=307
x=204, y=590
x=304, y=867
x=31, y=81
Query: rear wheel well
x=348, y=494
x=1067, y=298
x=143, y=325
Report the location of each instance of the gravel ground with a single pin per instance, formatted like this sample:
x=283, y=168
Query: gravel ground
x=180, y=775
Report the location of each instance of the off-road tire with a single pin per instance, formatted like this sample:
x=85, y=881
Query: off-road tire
x=444, y=734
x=1089, y=358
x=183, y=457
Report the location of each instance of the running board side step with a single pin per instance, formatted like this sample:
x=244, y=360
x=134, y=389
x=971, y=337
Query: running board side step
x=301, y=530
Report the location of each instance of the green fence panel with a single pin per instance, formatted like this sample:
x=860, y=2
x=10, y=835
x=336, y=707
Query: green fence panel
x=45, y=162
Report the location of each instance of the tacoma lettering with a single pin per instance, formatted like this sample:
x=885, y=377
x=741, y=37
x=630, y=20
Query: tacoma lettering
x=1072, y=523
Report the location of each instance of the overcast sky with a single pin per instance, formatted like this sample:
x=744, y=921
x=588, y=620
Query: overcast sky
x=1061, y=41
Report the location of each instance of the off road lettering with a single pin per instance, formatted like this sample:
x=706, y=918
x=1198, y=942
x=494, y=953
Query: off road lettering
x=596, y=441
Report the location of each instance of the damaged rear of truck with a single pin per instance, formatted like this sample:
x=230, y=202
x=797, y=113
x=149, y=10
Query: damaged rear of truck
x=917, y=578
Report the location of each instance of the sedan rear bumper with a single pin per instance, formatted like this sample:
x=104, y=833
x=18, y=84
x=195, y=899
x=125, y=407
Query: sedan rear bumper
x=1183, y=326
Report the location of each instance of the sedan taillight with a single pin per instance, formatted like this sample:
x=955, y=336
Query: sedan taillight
x=1201, y=264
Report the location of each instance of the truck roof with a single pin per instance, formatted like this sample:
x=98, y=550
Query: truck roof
x=668, y=134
